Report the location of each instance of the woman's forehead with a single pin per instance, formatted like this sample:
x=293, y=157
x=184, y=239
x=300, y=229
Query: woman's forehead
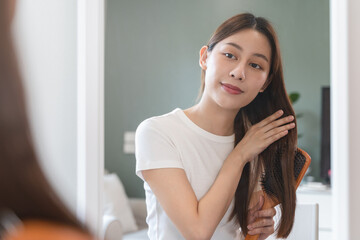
x=248, y=40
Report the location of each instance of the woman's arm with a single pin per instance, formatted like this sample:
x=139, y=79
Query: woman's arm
x=194, y=219
x=198, y=219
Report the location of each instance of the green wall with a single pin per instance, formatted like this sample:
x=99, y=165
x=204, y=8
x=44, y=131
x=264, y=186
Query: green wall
x=151, y=64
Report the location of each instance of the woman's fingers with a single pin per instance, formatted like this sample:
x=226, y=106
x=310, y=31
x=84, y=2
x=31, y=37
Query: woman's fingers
x=271, y=118
x=267, y=213
x=278, y=123
x=264, y=218
x=270, y=138
x=264, y=230
x=264, y=224
x=275, y=137
x=264, y=133
x=282, y=129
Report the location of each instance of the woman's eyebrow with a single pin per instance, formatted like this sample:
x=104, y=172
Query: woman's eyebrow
x=235, y=45
x=241, y=49
x=261, y=56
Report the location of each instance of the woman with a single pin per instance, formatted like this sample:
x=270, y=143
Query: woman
x=28, y=203
x=187, y=158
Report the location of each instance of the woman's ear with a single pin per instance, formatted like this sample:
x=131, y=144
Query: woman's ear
x=203, y=57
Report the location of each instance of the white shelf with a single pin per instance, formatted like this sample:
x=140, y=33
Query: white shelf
x=322, y=196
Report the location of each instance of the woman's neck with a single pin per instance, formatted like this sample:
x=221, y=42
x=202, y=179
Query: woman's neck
x=212, y=118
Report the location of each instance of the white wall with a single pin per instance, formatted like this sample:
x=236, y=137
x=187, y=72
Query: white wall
x=354, y=117
x=45, y=33
x=345, y=72
x=60, y=48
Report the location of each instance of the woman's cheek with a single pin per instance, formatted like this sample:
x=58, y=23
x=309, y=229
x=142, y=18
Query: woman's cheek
x=261, y=79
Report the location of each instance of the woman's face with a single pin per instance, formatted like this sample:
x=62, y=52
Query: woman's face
x=236, y=69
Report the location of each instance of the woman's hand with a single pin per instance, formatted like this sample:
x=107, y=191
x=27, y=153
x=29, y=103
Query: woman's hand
x=262, y=134
x=265, y=226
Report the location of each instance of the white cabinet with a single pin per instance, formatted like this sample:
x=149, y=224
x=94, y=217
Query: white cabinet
x=324, y=199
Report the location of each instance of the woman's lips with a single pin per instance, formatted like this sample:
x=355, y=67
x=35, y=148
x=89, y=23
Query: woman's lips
x=231, y=88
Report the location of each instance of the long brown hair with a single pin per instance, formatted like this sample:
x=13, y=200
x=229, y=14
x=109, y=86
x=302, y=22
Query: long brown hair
x=23, y=187
x=266, y=103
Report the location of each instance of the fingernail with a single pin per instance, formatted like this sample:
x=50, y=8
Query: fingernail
x=291, y=117
x=249, y=227
x=280, y=112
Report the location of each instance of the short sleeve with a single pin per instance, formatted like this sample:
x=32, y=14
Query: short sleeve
x=154, y=148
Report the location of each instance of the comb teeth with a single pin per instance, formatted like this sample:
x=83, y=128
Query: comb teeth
x=299, y=163
x=266, y=184
x=274, y=176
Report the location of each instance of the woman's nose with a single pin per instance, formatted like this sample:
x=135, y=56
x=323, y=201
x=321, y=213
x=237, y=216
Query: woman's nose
x=238, y=73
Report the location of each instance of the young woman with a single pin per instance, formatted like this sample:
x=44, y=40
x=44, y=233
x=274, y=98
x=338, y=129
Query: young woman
x=29, y=207
x=197, y=184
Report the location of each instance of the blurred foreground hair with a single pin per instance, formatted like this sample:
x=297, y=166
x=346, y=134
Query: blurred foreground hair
x=23, y=187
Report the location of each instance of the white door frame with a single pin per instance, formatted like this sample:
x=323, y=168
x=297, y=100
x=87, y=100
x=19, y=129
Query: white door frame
x=345, y=115
x=90, y=118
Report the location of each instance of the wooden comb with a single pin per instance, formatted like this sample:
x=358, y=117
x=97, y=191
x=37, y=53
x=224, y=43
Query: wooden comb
x=301, y=164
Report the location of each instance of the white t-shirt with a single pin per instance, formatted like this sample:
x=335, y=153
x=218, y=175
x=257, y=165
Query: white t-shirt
x=174, y=141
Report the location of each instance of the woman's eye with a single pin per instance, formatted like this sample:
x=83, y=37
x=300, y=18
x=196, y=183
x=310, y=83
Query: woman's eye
x=254, y=65
x=229, y=55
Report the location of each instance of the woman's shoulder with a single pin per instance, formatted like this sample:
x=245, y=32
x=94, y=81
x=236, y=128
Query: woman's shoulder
x=163, y=122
